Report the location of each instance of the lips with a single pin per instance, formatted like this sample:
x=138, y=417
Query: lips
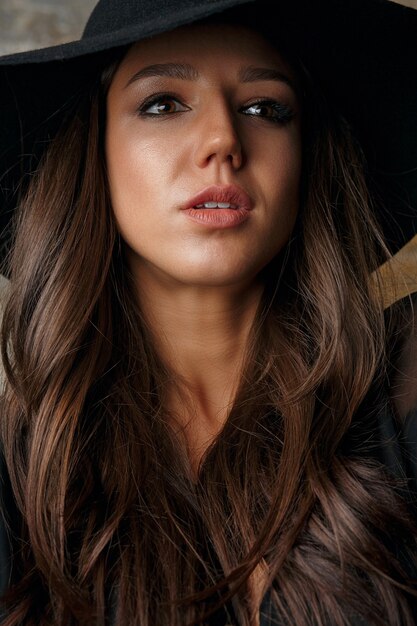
x=223, y=194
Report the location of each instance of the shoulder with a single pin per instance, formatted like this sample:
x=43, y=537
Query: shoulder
x=397, y=422
x=403, y=388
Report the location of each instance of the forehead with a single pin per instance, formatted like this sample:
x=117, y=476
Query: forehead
x=206, y=46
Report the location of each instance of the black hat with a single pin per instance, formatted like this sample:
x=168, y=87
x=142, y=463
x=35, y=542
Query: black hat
x=363, y=53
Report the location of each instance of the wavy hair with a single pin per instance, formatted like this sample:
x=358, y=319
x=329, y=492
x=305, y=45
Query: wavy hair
x=110, y=524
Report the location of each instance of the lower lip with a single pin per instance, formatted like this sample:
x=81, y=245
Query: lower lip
x=218, y=218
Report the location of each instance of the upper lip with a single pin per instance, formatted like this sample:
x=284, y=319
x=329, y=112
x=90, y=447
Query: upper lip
x=221, y=193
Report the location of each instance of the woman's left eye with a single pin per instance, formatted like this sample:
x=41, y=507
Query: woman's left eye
x=161, y=105
x=271, y=110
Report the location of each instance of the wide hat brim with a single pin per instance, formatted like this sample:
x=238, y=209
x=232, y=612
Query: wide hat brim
x=363, y=54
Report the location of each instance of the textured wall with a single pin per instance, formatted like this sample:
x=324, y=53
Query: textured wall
x=27, y=24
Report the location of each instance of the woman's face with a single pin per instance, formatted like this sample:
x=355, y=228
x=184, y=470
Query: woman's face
x=205, y=113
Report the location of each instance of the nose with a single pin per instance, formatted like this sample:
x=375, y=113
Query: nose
x=218, y=140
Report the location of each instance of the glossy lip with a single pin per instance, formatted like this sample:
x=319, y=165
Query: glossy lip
x=221, y=193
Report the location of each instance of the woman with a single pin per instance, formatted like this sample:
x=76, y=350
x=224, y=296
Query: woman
x=200, y=378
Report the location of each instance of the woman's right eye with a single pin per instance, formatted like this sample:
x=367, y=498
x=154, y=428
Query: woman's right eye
x=161, y=105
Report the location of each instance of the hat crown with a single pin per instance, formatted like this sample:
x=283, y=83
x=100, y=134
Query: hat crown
x=110, y=16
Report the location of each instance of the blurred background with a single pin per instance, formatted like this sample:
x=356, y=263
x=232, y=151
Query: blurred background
x=28, y=24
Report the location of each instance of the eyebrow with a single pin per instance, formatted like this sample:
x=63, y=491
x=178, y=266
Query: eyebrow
x=184, y=71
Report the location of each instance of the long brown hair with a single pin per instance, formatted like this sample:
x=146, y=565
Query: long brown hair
x=111, y=524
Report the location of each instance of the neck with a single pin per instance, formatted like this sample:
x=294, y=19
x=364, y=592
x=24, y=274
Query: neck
x=201, y=333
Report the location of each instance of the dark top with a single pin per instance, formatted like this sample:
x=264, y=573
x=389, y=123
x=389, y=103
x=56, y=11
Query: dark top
x=394, y=444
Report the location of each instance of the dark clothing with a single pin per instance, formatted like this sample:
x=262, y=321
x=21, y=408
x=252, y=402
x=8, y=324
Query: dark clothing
x=394, y=445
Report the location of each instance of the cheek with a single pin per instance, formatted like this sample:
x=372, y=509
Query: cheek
x=131, y=167
x=139, y=172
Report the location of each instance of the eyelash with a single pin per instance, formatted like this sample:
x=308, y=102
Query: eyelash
x=284, y=113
